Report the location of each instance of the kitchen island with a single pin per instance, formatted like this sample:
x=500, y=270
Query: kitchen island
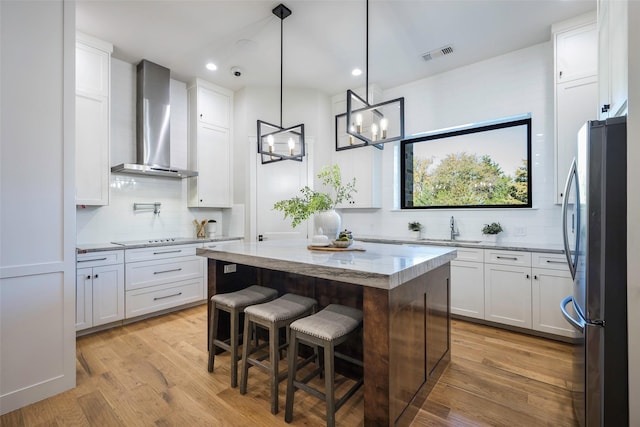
x=403, y=291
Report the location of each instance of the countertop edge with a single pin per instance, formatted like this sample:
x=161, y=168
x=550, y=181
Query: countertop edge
x=456, y=244
x=101, y=247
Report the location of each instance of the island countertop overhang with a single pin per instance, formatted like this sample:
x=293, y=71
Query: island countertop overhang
x=381, y=265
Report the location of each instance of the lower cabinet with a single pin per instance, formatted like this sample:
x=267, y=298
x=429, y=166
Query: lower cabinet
x=99, y=288
x=507, y=294
x=516, y=288
x=163, y=277
x=467, y=283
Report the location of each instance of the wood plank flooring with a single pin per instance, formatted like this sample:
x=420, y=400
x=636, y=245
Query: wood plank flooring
x=154, y=373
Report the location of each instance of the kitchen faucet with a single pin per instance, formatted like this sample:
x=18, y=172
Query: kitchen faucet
x=454, y=233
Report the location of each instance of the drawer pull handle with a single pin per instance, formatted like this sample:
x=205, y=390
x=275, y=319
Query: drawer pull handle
x=168, y=252
x=550, y=261
x=91, y=260
x=512, y=258
x=167, y=271
x=168, y=296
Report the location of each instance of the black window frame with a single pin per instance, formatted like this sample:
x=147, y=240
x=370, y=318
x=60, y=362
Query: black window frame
x=506, y=123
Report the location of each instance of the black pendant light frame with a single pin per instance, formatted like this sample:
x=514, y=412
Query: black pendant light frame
x=268, y=131
x=375, y=111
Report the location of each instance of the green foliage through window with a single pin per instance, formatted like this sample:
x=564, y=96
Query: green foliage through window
x=467, y=168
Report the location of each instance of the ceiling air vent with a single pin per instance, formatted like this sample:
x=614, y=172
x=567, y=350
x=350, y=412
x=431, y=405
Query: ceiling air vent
x=436, y=53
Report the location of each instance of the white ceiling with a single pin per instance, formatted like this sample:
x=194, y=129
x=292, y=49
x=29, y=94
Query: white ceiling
x=323, y=39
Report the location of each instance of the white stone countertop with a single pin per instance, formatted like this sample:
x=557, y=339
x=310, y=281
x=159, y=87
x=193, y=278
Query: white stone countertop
x=381, y=265
x=99, y=247
x=461, y=243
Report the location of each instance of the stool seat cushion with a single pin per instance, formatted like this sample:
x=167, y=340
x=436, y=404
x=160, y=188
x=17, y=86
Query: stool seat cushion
x=252, y=295
x=331, y=323
x=285, y=307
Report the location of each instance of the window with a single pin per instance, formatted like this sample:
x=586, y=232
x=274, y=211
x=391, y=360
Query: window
x=478, y=166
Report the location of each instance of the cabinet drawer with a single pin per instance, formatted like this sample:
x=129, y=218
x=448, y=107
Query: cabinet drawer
x=470, y=254
x=551, y=261
x=150, y=273
x=160, y=252
x=94, y=259
x=149, y=300
x=493, y=256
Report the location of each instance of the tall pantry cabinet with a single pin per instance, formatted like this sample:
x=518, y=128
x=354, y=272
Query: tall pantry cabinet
x=576, y=88
x=93, y=68
x=209, y=150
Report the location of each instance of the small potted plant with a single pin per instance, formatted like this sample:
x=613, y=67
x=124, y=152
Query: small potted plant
x=491, y=231
x=417, y=227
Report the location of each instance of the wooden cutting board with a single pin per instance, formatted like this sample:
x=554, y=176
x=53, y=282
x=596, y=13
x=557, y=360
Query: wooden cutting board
x=334, y=249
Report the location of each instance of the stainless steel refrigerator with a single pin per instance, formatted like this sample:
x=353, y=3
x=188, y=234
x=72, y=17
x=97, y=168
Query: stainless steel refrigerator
x=595, y=236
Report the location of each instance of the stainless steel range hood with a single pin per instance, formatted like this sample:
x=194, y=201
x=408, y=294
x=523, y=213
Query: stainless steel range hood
x=152, y=127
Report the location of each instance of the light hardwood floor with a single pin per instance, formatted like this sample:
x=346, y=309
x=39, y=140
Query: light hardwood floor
x=154, y=373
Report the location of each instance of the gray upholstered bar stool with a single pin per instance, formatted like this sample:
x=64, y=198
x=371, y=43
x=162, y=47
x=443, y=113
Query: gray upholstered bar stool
x=327, y=328
x=272, y=316
x=234, y=303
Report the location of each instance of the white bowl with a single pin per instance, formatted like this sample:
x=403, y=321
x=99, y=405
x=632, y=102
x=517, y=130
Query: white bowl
x=320, y=240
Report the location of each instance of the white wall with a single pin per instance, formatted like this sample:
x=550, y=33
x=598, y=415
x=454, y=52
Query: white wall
x=118, y=221
x=512, y=84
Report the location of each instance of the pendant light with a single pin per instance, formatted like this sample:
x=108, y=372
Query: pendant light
x=369, y=124
x=276, y=143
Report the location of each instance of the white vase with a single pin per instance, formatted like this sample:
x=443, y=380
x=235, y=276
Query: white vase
x=327, y=223
x=491, y=238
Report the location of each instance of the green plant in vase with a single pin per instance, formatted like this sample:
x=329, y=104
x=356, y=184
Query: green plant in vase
x=300, y=208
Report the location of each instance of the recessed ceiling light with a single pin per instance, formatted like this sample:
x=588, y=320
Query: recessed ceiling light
x=356, y=72
x=211, y=66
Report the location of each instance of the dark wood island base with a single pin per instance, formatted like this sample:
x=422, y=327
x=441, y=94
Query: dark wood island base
x=406, y=332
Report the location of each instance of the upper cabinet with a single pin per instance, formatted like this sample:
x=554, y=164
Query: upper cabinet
x=210, y=151
x=612, y=57
x=575, y=89
x=364, y=164
x=93, y=67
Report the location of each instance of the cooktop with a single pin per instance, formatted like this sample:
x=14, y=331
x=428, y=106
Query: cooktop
x=157, y=241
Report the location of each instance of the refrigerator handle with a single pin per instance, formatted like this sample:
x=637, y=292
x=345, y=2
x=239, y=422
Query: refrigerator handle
x=565, y=205
x=578, y=324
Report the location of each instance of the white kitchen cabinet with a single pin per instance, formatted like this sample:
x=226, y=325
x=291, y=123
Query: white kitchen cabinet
x=551, y=284
x=364, y=164
x=576, y=88
x=93, y=64
x=507, y=285
x=163, y=277
x=209, y=149
x=99, y=288
x=467, y=283
x=612, y=57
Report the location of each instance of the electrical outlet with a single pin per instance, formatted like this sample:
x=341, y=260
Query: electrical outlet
x=520, y=231
x=230, y=268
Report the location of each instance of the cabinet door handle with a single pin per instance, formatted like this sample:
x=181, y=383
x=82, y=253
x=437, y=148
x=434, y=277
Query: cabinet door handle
x=95, y=277
x=88, y=277
x=168, y=296
x=91, y=260
x=535, y=277
x=512, y=258
x=550, y=261
x=167, y=271
x=168, y=252
x=527, y=276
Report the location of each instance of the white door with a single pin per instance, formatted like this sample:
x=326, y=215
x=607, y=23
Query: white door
x=507, y=294
x=277, y=181
x=108, y=294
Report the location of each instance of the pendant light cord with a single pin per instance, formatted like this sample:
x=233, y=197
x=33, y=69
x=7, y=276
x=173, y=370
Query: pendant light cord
x=367, y=54
x=281, y=65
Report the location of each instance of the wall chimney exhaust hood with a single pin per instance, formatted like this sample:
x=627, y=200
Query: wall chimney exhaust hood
x=152, y=125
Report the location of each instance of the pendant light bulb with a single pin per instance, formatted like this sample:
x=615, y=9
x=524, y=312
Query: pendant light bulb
x=292, y=145
x=270, y=142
